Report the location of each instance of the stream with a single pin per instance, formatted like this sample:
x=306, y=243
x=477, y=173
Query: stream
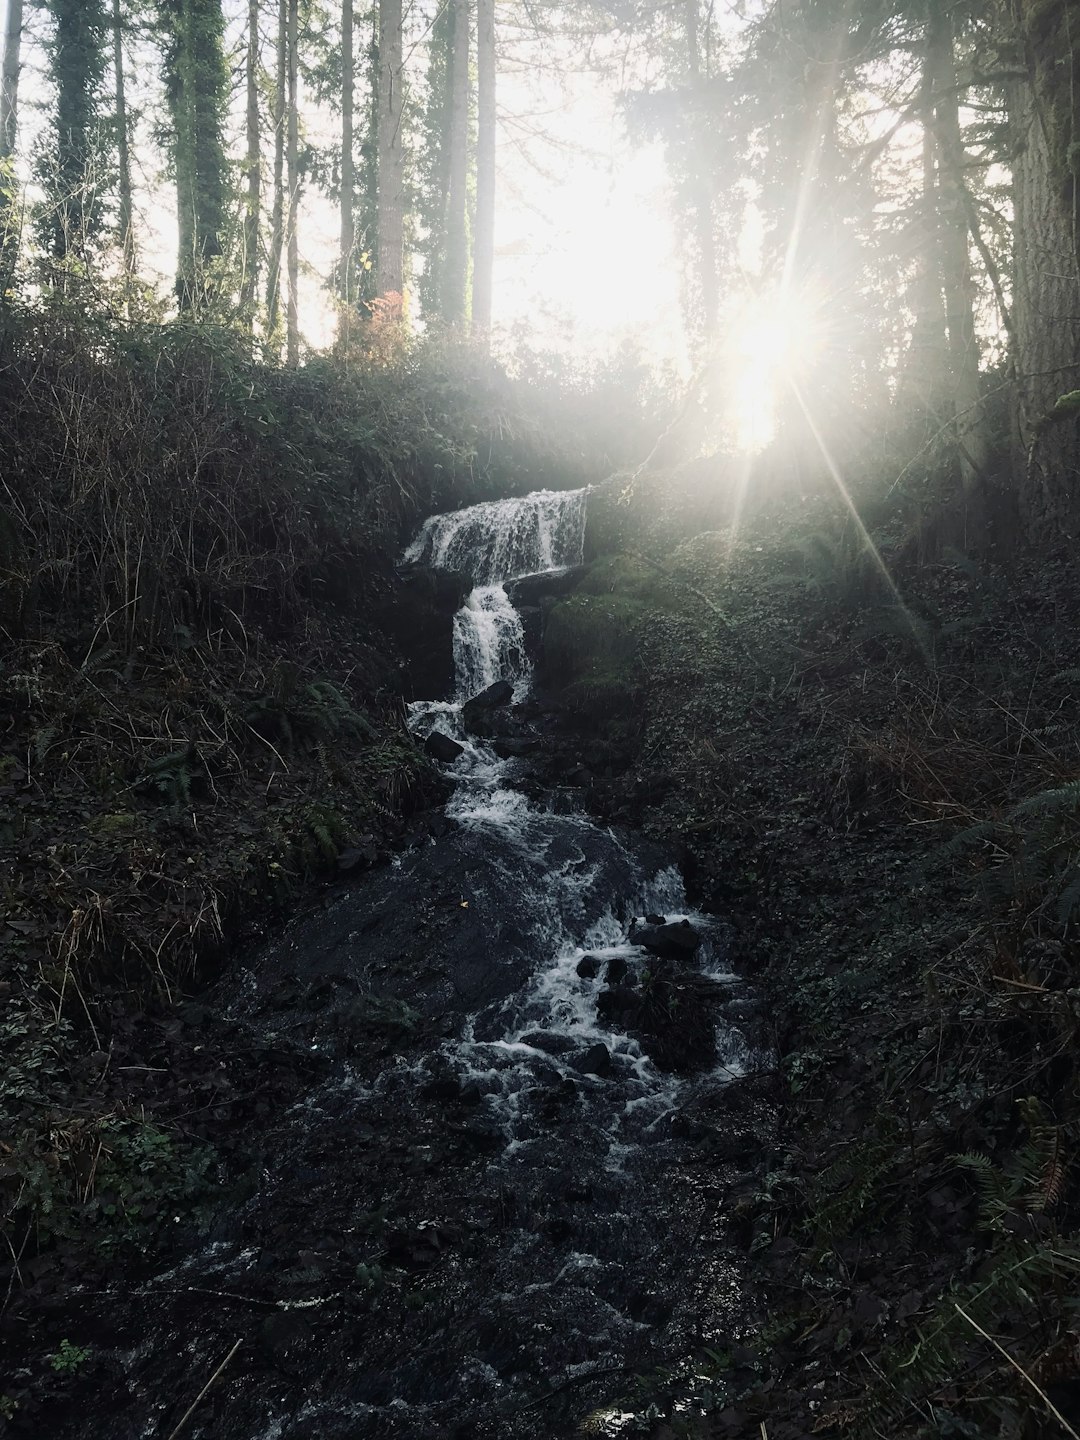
x=495, y=1191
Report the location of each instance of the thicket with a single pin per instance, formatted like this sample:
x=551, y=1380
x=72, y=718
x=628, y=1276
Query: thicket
x=200, y=701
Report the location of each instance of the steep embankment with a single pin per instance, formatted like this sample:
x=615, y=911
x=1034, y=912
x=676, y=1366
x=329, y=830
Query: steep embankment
x=880, y=794
x=205, y=646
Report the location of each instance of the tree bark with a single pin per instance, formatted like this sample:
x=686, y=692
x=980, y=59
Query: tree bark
x=292, y=323
x=253, y=200
x=277, y=217
x=348, y=173
x=455, y=279
x=956, y=276
x=1045, y=116
x=197, y=86
x=9, y=79
x=701, y=198
x=10, y=68
x=126, y=215
x=391, y=203
x=484, y=240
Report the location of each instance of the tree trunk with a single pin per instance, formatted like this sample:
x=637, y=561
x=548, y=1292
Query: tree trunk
x=390, y=259
x=701, y=196
x=197, y=86
x=348, y=175
x=484, y=241
x=9, y=79
x=253, y=201
x=126, y=216
x=292, y=327
x=10, y=68
x=956, y=277
x=1045, y=115
x=277, y=217
x=455, y=280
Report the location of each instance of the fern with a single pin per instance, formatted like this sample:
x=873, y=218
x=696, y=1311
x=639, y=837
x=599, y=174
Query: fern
x=1070, y=895
x=1048, y=802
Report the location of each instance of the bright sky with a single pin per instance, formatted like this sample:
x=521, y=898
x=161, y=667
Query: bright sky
x=585, y=246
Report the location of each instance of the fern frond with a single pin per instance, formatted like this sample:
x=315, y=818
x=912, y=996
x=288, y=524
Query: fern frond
x=1048, y=802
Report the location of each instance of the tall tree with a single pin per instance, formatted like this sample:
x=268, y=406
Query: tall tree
x=484, y=239
x=455, y=279
x=70, y=165
x=347, y=247
x=390, y=259
x=126, y=215
x=292, y=166
x=1045, y=111
x=434, y=161
x=197, y=87
x=253, y=198
x=953, y=239
x=277, y=217
x=10, y=69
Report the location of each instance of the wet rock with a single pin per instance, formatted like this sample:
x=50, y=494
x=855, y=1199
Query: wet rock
x=442, y=1087
x=493, y=698
x=419, y=614
x=588, y=967
x=284, y=1337
x=655, y=919
x=516, y=747
x=548, y=1042
x=442, y=747
x=594, y=1061
x=618, y=1005
x=677, y=941
x=532, y=589
x=618, y=968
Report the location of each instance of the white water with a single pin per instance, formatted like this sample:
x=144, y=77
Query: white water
x=556, y=1018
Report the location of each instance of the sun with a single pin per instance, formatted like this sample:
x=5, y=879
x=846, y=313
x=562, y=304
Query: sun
x=775, y=338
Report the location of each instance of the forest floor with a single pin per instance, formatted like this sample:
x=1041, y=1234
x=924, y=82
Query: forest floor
x=881, y=797
x=881, y=794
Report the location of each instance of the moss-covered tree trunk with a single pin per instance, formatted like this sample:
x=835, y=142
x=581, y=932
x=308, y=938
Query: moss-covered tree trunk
x=10, y=70
x=197, y=88
x=347, y=243
x=70, y=164
x=249, y=280
x=484, y=240
x=292, y=167
x=456, y=276
x=126, y=213
x=277, y=215
x=955, y=266
x=1046, y=280
x=390, y=259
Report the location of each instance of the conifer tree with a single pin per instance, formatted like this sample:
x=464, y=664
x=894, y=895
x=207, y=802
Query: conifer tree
x=197, y=87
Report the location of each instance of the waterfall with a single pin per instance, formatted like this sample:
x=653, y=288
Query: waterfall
x=504, y=539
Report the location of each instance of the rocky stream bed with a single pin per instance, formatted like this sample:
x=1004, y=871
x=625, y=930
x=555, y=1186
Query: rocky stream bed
x=482, y=1114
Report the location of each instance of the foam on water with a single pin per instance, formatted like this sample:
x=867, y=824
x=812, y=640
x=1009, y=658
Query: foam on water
x=529, y=1042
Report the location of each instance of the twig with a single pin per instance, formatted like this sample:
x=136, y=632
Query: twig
x=1020, y=1371
x=194, y=1404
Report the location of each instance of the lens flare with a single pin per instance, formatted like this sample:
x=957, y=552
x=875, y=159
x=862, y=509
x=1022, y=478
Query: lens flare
x=776, y=337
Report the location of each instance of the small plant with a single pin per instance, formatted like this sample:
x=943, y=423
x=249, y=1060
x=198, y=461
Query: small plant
x=69, y=1359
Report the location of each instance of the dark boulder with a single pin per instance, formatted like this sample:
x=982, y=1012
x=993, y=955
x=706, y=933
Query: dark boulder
x=516, y=747
x=493, y=698
x=617, y=969
x=419, y=615
x=531, y=589
x=678, y=941
x=588, y=967
x=443, y=747
x=594, y=1061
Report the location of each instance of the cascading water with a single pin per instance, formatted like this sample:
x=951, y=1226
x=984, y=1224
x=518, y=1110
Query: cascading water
x=475, y=1216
